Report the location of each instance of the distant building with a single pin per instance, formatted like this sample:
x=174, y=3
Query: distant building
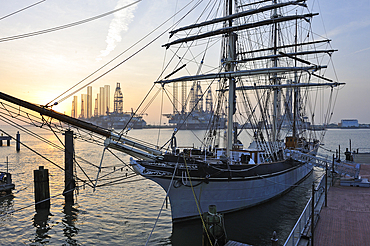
x=349, y=123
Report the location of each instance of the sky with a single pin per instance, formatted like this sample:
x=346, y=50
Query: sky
x=39, y=68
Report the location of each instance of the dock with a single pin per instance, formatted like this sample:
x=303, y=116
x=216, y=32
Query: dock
x=5, y=138
x=346, y=219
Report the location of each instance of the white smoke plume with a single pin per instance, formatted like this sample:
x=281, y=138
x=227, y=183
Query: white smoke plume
x=119, y=24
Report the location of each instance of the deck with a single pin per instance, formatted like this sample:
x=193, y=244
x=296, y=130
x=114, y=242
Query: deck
x=346, y=219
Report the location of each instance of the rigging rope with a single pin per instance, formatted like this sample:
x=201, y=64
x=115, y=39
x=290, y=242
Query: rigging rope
x=64, y=26
x=164, y=201
x=135, y=53
x=8, y=15
x=97, y=175
x=60, y=148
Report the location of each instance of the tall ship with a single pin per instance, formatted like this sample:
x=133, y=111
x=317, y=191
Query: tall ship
x=267, y=68
x=265, y=77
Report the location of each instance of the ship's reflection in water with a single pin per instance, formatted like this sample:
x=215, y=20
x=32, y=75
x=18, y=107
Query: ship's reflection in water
x=255, y=225
x=43, y=222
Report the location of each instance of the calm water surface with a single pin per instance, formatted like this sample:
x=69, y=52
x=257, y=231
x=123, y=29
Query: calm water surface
x=125, y=214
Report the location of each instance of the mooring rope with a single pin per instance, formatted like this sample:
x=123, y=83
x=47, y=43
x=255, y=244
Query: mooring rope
x=197, y=203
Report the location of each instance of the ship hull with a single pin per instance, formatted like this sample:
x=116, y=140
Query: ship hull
x=227, y=194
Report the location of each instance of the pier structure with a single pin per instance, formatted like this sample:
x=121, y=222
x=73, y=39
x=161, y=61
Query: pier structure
x=8, y=138
x=5, y=138
x=345, y=220
x=341, y=217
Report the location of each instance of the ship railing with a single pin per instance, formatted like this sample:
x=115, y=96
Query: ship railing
x=302, y=228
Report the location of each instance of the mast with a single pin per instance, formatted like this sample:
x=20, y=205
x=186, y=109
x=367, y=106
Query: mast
x=276, y=102
x=230, y=68
x=295, y=90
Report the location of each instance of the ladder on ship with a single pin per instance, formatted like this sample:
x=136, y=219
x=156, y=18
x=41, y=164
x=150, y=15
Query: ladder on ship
x=341, y=167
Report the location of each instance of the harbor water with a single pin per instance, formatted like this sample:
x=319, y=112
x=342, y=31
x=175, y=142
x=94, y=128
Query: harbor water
x=123, y=210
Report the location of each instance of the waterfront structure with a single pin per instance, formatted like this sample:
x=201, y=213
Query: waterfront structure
x=194, y=118
x=349, y=123
x=100, y=113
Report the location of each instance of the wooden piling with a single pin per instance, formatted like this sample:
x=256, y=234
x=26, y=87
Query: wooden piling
x=18, y=142
x=69, y=182
x=42, y=192
x=214, y=230
x=5, y=138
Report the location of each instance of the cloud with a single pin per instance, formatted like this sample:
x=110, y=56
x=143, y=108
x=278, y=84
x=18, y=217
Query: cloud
x=349, y=27
x=360, y=51
x=119, y=24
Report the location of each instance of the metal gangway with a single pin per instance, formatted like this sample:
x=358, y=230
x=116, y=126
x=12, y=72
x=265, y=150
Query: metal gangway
x=340, y=167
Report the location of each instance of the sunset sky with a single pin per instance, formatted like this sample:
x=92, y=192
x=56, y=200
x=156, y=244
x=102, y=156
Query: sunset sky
x=40, y=68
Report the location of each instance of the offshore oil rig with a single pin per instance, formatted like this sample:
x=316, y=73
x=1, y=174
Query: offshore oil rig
x=196, y=117
x=118, y=119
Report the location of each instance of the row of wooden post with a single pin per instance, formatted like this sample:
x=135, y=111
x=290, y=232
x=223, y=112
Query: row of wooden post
x=8, y=138
x=41, y=178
